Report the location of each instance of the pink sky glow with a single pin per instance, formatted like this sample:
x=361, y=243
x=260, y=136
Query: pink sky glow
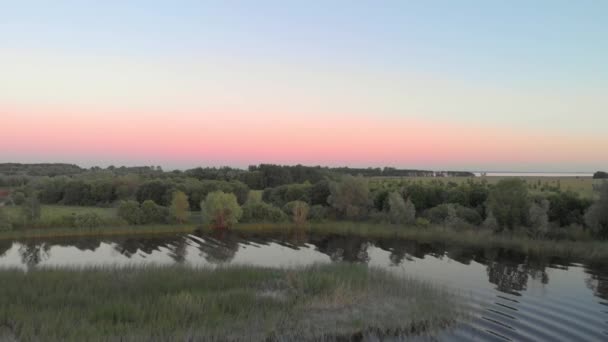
x=191, y=139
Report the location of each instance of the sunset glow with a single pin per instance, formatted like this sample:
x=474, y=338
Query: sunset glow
x=222, y=86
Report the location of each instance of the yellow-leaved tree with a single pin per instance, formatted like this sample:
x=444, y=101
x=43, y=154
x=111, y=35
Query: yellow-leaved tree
x=180, y=208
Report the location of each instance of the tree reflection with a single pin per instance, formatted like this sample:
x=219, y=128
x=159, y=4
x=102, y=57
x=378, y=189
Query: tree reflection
x=406, y=250
x=597, y=280
x=34, y=253
x=343, y=248
x=510, y=274
x=142, y=245
x=219, y=247
x=178, y=250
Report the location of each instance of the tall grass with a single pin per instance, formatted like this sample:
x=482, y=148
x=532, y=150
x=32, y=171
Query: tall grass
x=584, y=250
x=231, y=303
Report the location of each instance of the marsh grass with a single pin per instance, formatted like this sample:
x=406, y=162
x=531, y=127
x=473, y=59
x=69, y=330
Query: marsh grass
x=585, y=250
x=227, y=303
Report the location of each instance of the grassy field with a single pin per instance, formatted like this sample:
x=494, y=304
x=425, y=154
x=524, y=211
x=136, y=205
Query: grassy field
x=580, y=185
x=50, y=213
x=226, y=304
x=53, y=212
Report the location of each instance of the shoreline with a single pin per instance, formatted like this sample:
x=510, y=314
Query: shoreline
x=586, y=250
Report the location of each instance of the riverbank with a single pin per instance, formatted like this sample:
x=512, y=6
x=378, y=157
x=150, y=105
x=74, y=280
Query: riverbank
x=226, y=303
x=584, y=250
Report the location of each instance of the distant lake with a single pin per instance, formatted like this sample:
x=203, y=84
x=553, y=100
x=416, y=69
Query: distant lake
x=536, y=174
x=511, y=296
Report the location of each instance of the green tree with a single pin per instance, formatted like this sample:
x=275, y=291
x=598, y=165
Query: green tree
x=318, y=213
x=88, y=220
x=222, y=209
x=157, y=190
x=596, y=217
x=180, y=207
x=539, y=218
x=130, y=212
x=5, y=223
x=153, y=213
x=299, y=211
x=401, y=211
x=509, y=202
x=258, y=211
x=490, y=222
x=30, y=209
x=350, y=197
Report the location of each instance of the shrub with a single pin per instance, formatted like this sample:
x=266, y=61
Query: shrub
x=350, y=197
x=318, y=213
x=298, y=210
x=67, y=221
x=18, y=198
x=452, y=214
x=156, y=190
x=5, y=223
x=153, y=213
x=422, y=222
x=30, y=209
x=509, y=202
x=596, y=217
x=222, y=209
x=376, y=216
x=258, y=211
x=319, y=193
x=539, y=219
x=130, y=212
x=400, y=211
x=88, y=220
x=490, y=222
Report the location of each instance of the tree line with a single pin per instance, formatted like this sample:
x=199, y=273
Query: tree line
x=156, y=196
x=256, y=177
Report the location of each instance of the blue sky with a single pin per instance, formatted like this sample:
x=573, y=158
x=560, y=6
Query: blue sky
x=512, y=65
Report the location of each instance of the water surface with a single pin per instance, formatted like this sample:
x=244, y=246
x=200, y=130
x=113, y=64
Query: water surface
x=511, y=296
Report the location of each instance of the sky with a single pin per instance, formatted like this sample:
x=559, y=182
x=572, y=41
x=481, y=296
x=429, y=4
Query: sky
x=467, y=85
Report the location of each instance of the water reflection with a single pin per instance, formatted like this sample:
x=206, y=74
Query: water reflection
x=33, y=253
x=218, y=248
x=512, y=296
x=598, y=279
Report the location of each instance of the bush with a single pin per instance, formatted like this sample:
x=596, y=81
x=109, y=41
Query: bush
x=284, y=194
x=298, y=211
x=422, y=222
x=376, y=216
x=18, y=198
x=538, y=219
x=130, y=212
x=509, y=202
x=400, y=211
x=258, y=211
x=490, y=222
x=221, y=209
x=30, y=209
x=88, y=220
x=596, y=217
x=5, y=223
x=350, y=197
x=319, y=193
x=450, y=213
x=600, y=175
x=318, y=213
x=153, y=213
